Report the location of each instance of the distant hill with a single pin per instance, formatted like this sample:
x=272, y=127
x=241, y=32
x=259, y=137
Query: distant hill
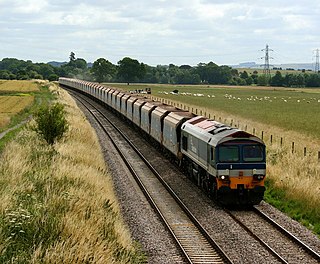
x=59, y=64
x=295, y=66
x=56, y=63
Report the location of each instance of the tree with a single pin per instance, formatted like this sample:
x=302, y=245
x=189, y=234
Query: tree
x=214, y=74
x=262, y=80
x=101, y=69
x=80, y=64
x=244, y=75
x=72, y=56
x=45, y=70
x=51, y=123
x=277, y=79
x=130, y=70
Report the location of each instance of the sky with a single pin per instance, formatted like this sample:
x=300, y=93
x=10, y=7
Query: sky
x=161, y=32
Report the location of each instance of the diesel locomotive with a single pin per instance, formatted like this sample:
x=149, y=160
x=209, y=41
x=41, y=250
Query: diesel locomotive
x=228, y=163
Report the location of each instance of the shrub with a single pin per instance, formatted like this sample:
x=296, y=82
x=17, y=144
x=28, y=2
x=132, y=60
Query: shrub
x=51, y=122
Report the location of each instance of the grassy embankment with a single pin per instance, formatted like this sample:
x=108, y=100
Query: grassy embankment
x=57, y=203
x=293, y=180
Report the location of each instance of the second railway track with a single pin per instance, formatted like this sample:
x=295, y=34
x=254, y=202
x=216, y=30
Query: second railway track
x=276, y=239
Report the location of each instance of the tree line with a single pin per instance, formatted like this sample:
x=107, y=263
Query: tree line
x=129, y=70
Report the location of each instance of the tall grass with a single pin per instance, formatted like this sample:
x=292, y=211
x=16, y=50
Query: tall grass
x=57, y=203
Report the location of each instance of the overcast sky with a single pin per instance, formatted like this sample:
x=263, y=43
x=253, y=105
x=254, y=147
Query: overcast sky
x=160, y=32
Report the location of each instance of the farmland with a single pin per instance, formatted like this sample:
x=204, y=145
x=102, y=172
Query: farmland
x=18, y=86
x=15, y=96
x=11, y=105
x=17, y=99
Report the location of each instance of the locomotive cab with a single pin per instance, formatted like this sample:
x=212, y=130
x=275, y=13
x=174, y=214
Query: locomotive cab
x=240, y=171
x=228, y=163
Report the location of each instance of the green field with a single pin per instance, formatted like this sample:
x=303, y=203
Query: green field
x=291, y=109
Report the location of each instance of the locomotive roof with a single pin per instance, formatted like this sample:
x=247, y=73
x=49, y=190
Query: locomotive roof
x=214, y=132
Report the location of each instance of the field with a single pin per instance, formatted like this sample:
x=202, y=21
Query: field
x=287, y=120
x=18, y=86
x=260, y=71
x=16, y=98
x=290, y=109
x=11, y=105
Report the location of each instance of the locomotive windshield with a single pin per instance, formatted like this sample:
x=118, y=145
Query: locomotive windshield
x=228, y=153
x=253, y=153
x=241, y=153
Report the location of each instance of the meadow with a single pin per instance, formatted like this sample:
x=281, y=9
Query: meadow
x=287, y=120
x=290, y=109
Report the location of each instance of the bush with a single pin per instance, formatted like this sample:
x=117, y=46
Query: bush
x=53, y=77
x=51, y=122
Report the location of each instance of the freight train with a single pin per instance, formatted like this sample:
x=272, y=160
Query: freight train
x=228, y=163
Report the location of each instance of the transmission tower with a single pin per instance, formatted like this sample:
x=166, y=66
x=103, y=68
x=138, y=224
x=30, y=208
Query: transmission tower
x=266, y=69
x=316, y=68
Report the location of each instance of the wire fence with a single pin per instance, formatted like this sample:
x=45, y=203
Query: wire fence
x=267, y=137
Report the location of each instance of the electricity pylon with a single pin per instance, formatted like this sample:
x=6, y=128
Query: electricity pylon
x=266, y=69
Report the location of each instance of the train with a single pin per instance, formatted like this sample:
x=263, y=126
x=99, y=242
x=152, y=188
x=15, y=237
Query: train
x=227, y=163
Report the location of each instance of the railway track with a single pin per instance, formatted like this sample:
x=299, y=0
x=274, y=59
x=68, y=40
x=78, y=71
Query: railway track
x=283, y=245
x=194, y=241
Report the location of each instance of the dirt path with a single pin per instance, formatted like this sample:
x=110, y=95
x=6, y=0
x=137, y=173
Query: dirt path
x=2, y=134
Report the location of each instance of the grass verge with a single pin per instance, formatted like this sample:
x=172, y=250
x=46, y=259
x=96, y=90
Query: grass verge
x=57, y=203
x=297, y=209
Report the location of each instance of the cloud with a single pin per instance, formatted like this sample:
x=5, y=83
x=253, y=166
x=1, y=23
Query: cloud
x=158, y=31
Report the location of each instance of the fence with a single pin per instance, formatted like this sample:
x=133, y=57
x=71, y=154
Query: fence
x=271, y=139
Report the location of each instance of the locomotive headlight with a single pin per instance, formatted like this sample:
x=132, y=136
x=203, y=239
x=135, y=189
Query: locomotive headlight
x=224, y=174
x=258, y=175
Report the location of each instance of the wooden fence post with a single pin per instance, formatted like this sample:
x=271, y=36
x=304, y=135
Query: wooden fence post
x=292, y=147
